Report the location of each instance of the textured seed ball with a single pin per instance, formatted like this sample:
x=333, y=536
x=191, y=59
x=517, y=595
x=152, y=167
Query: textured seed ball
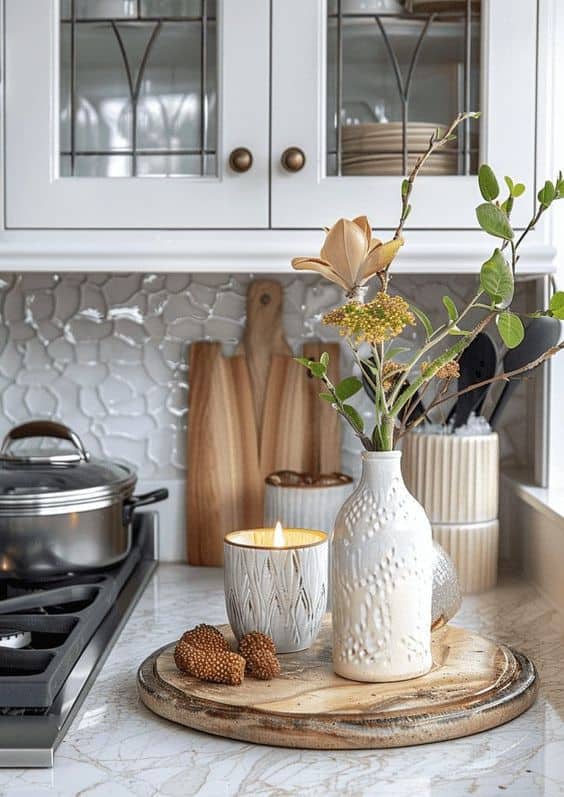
x=256, y=642
x=263, y=666
x=212, y=664
x=259, y=651
x=181, y=652
x=207, y=637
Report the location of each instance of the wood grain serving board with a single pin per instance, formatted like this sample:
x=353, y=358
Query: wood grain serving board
x=475, y=684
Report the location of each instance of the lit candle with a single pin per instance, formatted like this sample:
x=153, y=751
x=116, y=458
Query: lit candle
x=276, y=582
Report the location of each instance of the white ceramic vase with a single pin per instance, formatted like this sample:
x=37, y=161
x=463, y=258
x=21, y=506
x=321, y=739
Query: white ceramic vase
x=382, y=578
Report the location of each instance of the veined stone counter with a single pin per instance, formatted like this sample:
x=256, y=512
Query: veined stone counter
x=117, y=748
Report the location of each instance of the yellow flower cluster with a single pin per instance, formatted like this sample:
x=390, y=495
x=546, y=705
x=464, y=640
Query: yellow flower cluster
x=449, y=370
x=390, y=372
x=383, y=318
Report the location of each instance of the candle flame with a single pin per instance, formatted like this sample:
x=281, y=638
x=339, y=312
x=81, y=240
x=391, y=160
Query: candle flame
x=279, y=536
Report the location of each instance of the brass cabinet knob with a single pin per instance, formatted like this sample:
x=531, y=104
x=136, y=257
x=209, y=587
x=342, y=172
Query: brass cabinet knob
x=241, y=159
x=293, y=159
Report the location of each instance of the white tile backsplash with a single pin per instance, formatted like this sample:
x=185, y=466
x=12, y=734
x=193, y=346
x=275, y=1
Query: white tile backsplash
x=107, y=355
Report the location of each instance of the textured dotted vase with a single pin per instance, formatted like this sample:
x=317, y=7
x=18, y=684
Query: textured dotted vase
x=382, y=578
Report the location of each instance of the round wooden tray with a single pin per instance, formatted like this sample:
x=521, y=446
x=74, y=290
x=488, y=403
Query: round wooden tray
x=475, y=684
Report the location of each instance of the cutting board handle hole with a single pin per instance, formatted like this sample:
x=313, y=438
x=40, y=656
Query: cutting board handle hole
x=265, y=299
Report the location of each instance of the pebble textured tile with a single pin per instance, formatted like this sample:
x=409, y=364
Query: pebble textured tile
x=107, y=353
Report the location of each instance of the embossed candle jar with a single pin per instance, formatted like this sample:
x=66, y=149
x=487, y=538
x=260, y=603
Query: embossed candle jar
x=382, y=578
x=276, y=582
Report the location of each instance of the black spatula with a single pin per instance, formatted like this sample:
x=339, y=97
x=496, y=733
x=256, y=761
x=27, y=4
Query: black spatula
x=477, y=363
x=540, y=335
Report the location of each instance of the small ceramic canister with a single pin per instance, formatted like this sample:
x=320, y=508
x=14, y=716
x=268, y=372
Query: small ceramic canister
x=302, y=500
x=456, y=479
x=276, y=583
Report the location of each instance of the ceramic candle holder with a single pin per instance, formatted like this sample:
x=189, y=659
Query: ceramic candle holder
x=276, y=585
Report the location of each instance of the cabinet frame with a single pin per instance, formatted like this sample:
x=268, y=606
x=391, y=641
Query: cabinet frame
x=31, y=147
x=310, y=198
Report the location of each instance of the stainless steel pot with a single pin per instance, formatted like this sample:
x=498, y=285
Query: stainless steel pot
x=61, y=510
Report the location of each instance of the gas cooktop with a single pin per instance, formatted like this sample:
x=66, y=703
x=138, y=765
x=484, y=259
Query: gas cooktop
x=50, y=654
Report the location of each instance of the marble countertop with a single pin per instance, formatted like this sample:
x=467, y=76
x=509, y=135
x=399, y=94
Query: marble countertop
x=117, y=748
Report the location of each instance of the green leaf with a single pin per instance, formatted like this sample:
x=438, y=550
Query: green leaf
x=556, y=305
x=348, y=387
x=424, y=320
x=518, y=190
x=509, y=183
x=507, y=206
x=303, y=361
x=327, y=397
x=494, y=221
x=459, y=332
x=510, y=328
x=547, y=194
x=450, y=308
x=404, y=188
x=317, y=369
x=489, y=187
x=496, y=279
x=354, y=416
x=324, y=359
x=393, y=351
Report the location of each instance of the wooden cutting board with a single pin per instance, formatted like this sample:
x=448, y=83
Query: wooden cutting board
x=248, y=416
x=225, y=487
x=475, y=684
x=300, y=431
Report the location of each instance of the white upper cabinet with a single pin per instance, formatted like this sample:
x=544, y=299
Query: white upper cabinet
x=258, y=119
x=125, y=113
x=359, y=86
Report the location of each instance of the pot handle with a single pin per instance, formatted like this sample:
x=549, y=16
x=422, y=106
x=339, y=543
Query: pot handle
x=131, y=504
x=44, y=429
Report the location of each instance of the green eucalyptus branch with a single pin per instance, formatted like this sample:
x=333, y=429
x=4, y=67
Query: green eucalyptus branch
x=432, y=342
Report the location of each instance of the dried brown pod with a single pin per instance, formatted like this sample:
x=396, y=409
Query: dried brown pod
x=207, y=637
x=259, y=652
x=264, y=666
x=213, y=664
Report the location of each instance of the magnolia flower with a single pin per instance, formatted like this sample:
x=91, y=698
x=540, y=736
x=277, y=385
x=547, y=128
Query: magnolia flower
x=350, y=256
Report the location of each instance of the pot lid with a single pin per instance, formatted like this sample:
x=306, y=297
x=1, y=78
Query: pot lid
x=52, y=476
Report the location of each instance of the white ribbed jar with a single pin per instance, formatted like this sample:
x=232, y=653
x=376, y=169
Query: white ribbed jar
x=456, y=479
x=382, y=578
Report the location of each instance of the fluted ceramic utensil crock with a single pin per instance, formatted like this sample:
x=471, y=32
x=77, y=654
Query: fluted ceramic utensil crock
x=279, y=588
x=382, y=578
x=456, y=479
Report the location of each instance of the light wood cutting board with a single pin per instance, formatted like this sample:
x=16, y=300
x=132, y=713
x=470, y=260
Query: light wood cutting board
x=248, y=416
x=225, y=487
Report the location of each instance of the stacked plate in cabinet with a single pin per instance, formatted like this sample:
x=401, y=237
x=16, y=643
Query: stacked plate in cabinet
x=376, y=148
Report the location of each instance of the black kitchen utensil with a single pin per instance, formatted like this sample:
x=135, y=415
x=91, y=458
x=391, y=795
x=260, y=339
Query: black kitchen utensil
x=415, y=403
x=477, y=363
x=540, y=335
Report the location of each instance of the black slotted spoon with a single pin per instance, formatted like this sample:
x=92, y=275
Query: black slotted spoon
x=477, y=363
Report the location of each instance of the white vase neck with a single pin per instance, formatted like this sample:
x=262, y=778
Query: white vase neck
x=381, y=465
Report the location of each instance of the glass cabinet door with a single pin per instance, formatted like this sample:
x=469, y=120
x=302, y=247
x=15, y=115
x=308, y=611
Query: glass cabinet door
x=378, y=77
x=395, y=77
x=148, y=108
x=114, y=92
